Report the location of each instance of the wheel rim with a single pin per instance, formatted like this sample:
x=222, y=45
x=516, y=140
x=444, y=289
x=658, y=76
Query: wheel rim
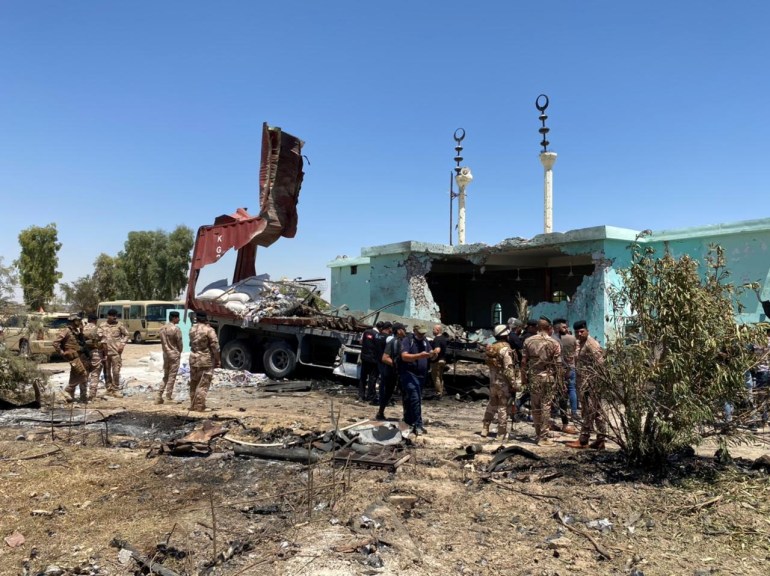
x=236, y=358
x=280, y=360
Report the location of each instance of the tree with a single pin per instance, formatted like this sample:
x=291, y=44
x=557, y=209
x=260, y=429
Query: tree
x=37, y=264
x=677, y=360
x=82, y=295
x=155, y=263
x=7, y=281
x=108, y=277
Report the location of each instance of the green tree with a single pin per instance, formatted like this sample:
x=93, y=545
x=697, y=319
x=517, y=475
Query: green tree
x=37, y=264
x=679, y=357
x=8, y=281
x=109, y=278
x=155, y=263
x=82, y=295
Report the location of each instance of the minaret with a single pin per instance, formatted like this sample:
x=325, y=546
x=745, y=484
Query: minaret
x=463, y=177
x=547, y=159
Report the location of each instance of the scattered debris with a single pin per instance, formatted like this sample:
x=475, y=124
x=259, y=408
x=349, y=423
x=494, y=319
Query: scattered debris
x=15, y=540
x=196, y=443
x=504, y=454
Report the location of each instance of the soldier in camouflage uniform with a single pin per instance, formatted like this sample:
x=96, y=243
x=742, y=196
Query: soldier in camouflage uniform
x=171, y=343
x=113, y=337
x=501, y=380
x=589, y=355
x=540, y=366
x=204, y=357
x=69, y=344
x=91, y=335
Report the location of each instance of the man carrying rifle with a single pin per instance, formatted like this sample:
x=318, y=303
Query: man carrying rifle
x=70, y=344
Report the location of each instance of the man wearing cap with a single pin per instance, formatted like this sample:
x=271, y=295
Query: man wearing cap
x=91, y=335
x=540, y=364
x=113, y=337
x=438, y=364
x=367, y=385
x=70, y=345
x=389, y=367
x=499, y=358
x=204, y=357
x=416, y=354
x=589, y=356
x=171, y=344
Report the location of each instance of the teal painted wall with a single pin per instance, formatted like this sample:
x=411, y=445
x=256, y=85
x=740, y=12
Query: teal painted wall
x=350, y=289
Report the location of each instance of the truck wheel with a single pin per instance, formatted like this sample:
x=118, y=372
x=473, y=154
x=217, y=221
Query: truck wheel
x=24, y=349
x=236, y=355
x=137, y=339
x=279, y=360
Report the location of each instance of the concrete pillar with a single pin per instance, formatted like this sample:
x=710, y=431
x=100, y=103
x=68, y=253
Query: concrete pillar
x=548, y=159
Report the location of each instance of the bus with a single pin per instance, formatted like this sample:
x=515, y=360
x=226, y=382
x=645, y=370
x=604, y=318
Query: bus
x=142, y=318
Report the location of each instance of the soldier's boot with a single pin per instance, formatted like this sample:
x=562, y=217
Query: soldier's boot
x=484, y=429
x=597, y=444
x=69, y=394
x=159, y=398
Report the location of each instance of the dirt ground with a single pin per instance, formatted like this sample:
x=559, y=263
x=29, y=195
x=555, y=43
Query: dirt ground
x=71, y=491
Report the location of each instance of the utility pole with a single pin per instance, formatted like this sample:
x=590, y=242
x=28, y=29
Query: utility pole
x=547, y=159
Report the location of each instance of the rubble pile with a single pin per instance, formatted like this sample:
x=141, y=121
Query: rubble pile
x=258, y=297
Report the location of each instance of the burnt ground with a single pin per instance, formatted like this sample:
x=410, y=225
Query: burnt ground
x=72, y=490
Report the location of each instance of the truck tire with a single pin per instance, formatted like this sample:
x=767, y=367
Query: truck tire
x=137, y=338
x=236, y=355
x=279, y=360
x=24, y=349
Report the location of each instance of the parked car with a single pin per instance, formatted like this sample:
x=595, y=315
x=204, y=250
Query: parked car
x=32, y=334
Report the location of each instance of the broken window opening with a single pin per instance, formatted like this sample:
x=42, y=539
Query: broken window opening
x=353, y=270
x=497, y=314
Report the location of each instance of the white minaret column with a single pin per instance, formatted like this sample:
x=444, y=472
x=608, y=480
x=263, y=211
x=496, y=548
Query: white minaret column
x=463, y=178
x=548, y=159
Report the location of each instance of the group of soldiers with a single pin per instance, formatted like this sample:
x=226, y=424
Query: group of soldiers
x=542, y=359
x=550, y=362
x=93, y=349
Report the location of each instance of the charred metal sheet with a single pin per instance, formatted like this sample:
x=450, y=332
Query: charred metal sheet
x=386, y=458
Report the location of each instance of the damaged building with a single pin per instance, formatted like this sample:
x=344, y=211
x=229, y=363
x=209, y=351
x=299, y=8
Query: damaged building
x=560, y=274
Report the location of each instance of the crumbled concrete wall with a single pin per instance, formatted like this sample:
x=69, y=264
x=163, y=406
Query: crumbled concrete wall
x=420, y=303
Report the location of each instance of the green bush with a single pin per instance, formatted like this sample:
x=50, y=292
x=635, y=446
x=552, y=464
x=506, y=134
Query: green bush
x=677, y=356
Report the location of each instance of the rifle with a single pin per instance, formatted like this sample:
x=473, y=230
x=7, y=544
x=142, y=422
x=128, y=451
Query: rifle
x=84, y=349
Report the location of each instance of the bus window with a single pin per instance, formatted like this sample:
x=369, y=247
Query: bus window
x=157, y=312
x=135, y=312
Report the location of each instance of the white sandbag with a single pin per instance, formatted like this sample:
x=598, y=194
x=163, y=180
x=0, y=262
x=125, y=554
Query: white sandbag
x=211, y=294
x=237, y=307
x=236, y=297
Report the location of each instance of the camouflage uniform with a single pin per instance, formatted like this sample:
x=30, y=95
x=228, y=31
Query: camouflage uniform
x=589, y=354
x=204, y=352
x=501, y=379
x=91, y=335
x=68, y=345
x=171, y=343
x=112, y=340
x=542, y=355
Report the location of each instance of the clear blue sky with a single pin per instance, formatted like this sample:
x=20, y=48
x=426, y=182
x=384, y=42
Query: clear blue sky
x=118, y=116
